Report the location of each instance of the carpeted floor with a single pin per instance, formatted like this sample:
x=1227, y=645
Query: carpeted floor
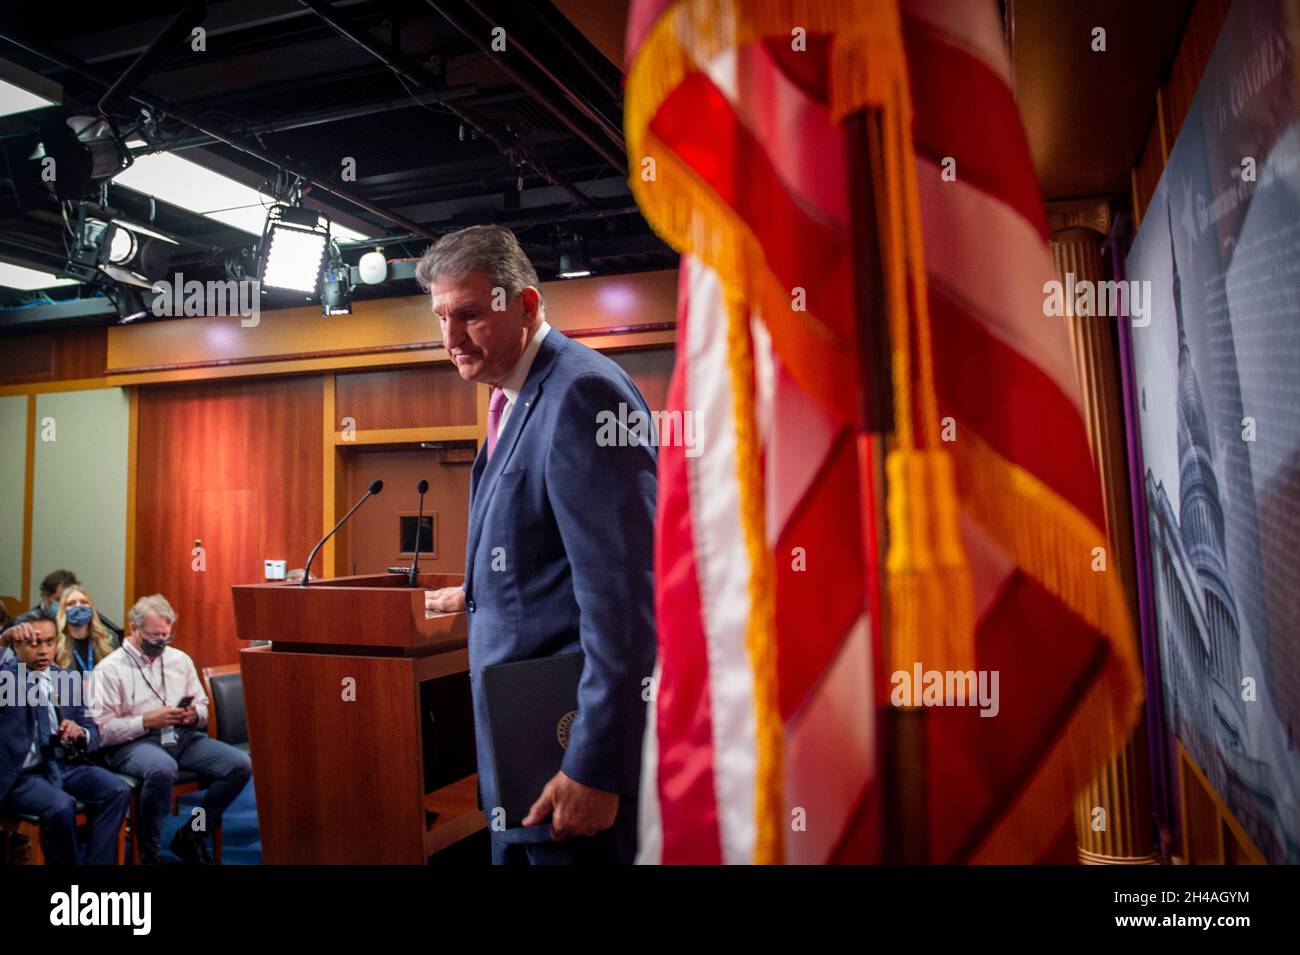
x=240, y=843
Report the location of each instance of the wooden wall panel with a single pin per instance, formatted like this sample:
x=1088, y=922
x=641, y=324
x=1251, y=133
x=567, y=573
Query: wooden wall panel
x=1146, y=175
x=1193, y=53
x=1175, y=97
x=236, y=465
x=651, y=369
x=373, y=530
x=420, y=397
x=53, y=356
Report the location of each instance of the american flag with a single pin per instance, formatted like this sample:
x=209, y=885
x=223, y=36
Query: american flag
x=762, y=746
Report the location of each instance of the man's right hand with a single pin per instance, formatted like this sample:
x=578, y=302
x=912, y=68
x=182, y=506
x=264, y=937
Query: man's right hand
x=447, y=599
x=19, y=633
x=164, y=716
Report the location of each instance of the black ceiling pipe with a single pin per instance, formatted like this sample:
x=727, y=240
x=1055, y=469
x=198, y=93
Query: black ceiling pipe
x=616, y=157
x=152, y=56
x=333, y=115
x=416, y=74
x=161, y=105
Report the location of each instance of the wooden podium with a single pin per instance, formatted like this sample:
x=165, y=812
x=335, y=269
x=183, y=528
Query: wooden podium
x=360, y=723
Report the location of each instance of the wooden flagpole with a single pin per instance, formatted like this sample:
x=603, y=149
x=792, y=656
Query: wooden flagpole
x=900, y=760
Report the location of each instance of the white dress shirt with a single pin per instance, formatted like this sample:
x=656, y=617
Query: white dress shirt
x=127, y=684
x=514, y=382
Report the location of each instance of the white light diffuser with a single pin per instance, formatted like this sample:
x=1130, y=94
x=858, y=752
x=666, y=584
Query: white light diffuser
x=293, y=259
x=186, y=184
x=28, y=280
x=22, y=90
x=15, y=99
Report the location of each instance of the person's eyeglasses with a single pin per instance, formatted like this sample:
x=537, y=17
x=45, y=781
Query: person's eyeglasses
x=158, y=637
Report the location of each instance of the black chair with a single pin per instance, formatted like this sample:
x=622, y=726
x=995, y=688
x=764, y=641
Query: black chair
x=226, y=718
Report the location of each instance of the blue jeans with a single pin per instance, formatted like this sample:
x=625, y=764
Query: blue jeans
x=106, y=798
x=224, y=768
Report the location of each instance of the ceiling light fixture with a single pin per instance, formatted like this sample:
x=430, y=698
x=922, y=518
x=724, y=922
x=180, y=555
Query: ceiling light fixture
x=293, y=248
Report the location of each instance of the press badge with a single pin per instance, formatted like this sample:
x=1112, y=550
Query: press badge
x=169, y=736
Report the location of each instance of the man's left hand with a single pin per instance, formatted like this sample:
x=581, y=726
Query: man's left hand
x=191, y=715
x=575, y=809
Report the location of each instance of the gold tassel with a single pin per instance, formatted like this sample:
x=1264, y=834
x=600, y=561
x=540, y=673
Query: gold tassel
x=931, y=607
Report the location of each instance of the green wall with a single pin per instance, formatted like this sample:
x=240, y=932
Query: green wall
x=79, y=500
x=13, y=467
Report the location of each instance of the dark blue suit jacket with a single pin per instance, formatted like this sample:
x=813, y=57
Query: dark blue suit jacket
x=574, y=522
x=18, y=724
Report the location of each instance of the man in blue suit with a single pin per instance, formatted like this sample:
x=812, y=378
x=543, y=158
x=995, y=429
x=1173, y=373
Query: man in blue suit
x=561, y=538
x=35, y=777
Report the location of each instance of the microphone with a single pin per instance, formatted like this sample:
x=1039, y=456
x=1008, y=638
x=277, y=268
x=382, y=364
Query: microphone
x=422, y=487
x=375, y=488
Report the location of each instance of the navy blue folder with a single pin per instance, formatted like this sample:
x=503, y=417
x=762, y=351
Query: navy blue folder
x=530, y=704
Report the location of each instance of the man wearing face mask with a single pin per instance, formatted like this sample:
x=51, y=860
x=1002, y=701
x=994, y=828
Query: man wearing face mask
x=138, y=690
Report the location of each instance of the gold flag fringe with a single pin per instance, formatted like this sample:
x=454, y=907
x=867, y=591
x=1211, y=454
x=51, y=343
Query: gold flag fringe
x=760, y=630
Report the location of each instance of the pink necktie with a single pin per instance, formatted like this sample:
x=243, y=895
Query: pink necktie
x=496, y=405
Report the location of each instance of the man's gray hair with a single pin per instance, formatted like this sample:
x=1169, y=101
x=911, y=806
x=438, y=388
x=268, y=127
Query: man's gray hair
x=491, y=248
x=154, y=603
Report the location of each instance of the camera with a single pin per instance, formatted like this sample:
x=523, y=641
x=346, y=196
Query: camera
x=74, y=751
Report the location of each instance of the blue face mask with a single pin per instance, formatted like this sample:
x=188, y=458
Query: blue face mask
x=80, y=615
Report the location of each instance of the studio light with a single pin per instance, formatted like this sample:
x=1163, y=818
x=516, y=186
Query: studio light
x=123, y=246
x=574, y=263
x=336, y=286
x=293, y=249
x=131, y=306
x=69, y=160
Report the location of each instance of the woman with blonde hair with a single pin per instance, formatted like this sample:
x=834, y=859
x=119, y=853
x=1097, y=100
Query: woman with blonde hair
x=83, y=639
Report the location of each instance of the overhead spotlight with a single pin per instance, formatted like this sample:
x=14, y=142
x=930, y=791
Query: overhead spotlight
x=123, y=246
x=69, y=159
x=103, y=250
x=91, y=241
x=130, y=305
x=336, y=285
x=293, y=248
x=574, y=263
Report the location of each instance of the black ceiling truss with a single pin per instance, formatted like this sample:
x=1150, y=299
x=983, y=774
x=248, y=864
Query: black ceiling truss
x=446, y=131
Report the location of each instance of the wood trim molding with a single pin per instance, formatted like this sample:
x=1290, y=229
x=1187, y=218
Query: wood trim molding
x=68, y=384
x=329, y=468
x=132, y=477
x=29, y=493
x=451, y=432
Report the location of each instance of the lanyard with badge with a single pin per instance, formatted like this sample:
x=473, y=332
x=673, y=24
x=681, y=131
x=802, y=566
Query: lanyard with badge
x=90, y=649
x=168, y=733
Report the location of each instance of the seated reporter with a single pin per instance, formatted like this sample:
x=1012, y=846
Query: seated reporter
x=83, y=638
x=20, y=628
x=42, y=748
x=54, y=586
x=147, y=733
